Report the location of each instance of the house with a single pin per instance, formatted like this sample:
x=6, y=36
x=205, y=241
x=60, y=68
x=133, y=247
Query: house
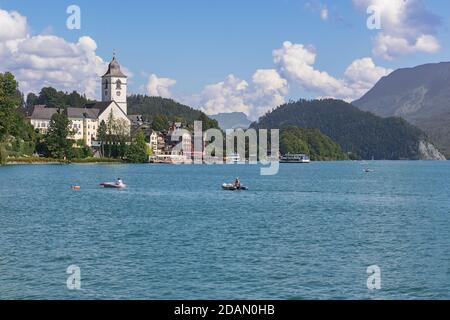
x=157, y=142
x=86, y=119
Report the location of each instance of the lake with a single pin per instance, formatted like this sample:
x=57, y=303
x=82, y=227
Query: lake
x=309, y=232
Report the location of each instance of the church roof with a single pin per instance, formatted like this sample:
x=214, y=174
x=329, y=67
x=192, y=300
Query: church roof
x=114, y=69
x=102, y=106
x=80, y=113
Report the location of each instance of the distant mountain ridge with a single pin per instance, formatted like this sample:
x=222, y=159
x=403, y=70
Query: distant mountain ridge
x=362, y=134
x=420, y=95
x=232, y=120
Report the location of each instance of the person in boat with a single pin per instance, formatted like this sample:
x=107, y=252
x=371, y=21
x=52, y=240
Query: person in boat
x=237, y=183
x=119, y=182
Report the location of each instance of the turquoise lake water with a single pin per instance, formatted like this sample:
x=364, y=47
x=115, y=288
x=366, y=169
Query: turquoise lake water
x=309, y=232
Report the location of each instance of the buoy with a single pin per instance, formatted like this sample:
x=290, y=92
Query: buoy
x=75, y=187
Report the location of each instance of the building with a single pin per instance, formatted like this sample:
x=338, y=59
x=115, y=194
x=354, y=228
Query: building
x=40, y=117
x=157, y=142
x=84, y=123
x=137, y=120
x=86, y=119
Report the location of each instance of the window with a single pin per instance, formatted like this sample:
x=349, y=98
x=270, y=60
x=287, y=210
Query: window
x=106, y=84
x=119, y=85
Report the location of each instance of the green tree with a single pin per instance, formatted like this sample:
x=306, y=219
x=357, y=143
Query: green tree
x=102, y=134
x=8, y=103
x=292, y=142
x=82, y=151
x=31, y=100
x=160, y=122
x=57, y=99
x=57, y=139
x=138, y=150
x=50, y=97
x=117, y=137
x=3, y=154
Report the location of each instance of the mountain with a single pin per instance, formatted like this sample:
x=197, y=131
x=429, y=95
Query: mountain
x=233, y=120
x=420, y=95
x=361, y=134
x=168, y=109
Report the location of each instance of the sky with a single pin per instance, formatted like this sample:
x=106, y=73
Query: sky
x=222, y=56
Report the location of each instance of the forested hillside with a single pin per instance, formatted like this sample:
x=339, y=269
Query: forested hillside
x=161, y=110
x=359, y=133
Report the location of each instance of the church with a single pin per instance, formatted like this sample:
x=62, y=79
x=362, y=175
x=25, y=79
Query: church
x=86, y=119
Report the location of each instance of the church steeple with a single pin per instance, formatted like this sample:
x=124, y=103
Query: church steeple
x=114, y=68
x=114, y=84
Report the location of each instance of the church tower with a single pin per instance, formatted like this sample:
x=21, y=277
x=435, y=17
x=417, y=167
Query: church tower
x=114, y=85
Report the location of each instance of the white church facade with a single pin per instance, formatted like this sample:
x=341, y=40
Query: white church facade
x=86, y=119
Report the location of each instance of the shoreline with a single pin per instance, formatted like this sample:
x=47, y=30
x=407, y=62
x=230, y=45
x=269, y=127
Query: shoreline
x=44, y=161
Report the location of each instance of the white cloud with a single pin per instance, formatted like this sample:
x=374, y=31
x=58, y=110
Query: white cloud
x=229, y=95
x=317, y=7
x=269, y=90
x=159, y=87
x=269, y=80
x=389, y=47
x=324, y=13
x=407, y=27
x=47, y=60
x=296, y=62
x=12, y=25
x=361, y=75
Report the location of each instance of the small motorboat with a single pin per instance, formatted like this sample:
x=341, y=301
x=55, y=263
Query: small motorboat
x=113, y=185
x=232, y=187
x=368, y=170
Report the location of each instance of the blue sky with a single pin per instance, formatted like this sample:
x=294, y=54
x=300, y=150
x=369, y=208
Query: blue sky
x=201, y=42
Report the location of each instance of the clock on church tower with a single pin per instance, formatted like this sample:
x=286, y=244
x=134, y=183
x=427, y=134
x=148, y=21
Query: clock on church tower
x=114, y=85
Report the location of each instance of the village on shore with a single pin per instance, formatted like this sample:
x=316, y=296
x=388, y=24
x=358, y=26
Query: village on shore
x=112, y=111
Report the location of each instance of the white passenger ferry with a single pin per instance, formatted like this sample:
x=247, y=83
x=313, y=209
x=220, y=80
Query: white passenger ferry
x=295, y=158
